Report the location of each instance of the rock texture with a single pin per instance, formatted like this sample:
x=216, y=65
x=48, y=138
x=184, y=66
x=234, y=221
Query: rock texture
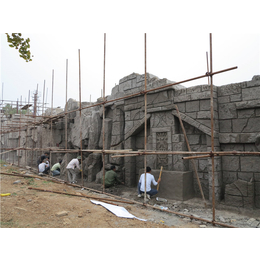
x=236, y=127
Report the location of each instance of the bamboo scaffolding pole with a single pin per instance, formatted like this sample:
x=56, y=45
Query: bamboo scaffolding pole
x=212, y=131
x=159, y=177
x=196, y=157
x=66, y=120
x=145, y=118
x=192, y=161
x=82, y=195
x=19, y=136
x=141, y=152
x=43, y=110
x=80, y=120
x=52, y=87
x=104, y=98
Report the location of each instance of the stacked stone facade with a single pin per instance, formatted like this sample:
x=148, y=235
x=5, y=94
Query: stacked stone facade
x=236, y=127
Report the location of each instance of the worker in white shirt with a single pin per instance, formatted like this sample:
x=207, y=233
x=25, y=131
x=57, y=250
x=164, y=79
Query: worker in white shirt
x=149, y=179
x=44, y=167
x=73, y=169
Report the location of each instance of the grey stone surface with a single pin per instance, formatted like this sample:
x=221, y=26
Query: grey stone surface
x=236, y=127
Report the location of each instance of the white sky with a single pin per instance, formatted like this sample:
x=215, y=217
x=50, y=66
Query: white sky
x=173, y=56
x=177, y=42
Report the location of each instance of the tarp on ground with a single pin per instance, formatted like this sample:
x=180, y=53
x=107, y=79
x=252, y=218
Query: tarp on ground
x=117, y=210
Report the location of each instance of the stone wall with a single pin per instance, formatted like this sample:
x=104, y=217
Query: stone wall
x=236, y=127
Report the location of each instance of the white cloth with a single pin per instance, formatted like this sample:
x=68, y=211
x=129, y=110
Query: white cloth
x=73, y=163
x=149, y=179
x=42, y=167
x=117, y=210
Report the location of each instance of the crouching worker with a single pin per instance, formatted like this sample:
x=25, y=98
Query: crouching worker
x=149, y=179
x=43, y=167
x=55, y=170
x=73, y=169
x=111, y=177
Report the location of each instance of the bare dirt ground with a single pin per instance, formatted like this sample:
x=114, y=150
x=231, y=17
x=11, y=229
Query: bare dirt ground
x=28, y=208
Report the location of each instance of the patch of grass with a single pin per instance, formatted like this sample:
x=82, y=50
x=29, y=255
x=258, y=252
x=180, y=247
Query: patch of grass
x=14, y=194
x=42, y=223
x=47, y=182
x=2, y=162
x=8, y=224
x=10, y=170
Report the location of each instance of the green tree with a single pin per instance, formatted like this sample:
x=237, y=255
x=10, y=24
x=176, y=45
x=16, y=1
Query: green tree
x=22, y=45
x=10, y=110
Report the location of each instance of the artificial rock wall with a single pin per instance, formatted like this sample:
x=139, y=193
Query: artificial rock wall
x=236, y=127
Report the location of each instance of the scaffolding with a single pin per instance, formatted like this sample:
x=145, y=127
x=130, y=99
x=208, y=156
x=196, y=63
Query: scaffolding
x=33, y=120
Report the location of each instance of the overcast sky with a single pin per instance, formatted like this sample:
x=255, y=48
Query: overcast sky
x=173, y=56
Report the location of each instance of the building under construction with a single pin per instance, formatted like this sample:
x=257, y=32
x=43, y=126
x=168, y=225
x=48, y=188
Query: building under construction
x=205, y=139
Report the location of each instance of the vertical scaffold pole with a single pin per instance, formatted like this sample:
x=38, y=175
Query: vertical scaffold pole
x=104, y=99
x=145, y=116
x=212, y=131
x=80, y=122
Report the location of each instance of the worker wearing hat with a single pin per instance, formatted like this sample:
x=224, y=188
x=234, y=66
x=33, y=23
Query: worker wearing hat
x=73, y=169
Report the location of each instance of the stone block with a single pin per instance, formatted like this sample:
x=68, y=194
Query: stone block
x=230, y=89
x=238, y=125
x=205, y=105
x=250, y=163
x=225, y=126
x=229, y=177
x=252, y=126
x=245, y=176
x=235, y=201
x=246, y=113
x=257, y=202
x=224, y=99
x=257, y=176
x=257, y=188
x=250, y=93
x=193, y=139
x=236, y=98
x=227, y=111
x=204, y=114
x=192, y=106
x=230, y=163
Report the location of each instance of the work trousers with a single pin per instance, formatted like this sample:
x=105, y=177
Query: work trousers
x=150, y=192
x=72, y=174
x=55, y=173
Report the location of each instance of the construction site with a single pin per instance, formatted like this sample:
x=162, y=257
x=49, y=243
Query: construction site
x=203, y=142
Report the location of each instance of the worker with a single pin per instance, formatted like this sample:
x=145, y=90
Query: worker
x=149, y=179
x=43, y=167
x=111, y=177
x=73, y=169
x=55, y=170
x=41, y=158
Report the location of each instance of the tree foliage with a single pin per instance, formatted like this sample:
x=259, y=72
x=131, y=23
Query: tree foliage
x=22, y=45
x=10, y=110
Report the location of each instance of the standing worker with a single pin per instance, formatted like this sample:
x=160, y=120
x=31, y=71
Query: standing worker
x=111, y=177
x=149, y=179
x=73, y=169
x=55, y=170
